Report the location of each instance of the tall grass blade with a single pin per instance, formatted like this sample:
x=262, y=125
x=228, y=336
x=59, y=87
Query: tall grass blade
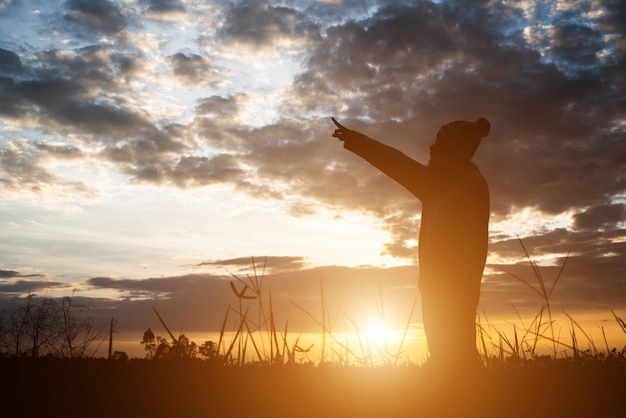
x=589, y=339
x=620, y=321
x=222, y=329
x=406, y=328
x=324, y=314
x=174, y=339
x=558, y=276
x=524, y=281
x=536, y=270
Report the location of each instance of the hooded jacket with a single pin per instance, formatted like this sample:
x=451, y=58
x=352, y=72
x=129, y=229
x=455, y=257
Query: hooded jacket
x=455, y=217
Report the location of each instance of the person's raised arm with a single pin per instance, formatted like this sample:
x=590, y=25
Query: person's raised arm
x=397, y=165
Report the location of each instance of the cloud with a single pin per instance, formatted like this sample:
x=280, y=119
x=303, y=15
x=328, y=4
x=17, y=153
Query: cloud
x=199, y=302
x=192, y=69
x=23, y=170
x=165, y=6
x=9, y=62
x=119, y=94
x=279, y=263
x=601, y=217
x=218, y=105
x=429, y=64
x=13, y=283
x=260, y=25
x=20, y=287
x=7, y=274
x=96, y=15
x=76, y=91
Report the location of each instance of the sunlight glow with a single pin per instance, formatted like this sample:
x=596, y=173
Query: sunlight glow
x=548, y=259
x=529, y=221
x=377, y=333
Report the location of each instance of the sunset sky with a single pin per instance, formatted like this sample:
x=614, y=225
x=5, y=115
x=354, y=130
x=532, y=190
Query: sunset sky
x=150, y=148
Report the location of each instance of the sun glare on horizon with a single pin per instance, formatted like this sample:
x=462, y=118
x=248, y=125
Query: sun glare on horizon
x=377, y=333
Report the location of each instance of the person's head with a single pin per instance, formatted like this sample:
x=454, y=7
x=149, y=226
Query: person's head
x=457, y=141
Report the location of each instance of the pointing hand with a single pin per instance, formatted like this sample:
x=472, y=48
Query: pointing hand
x=341, y=133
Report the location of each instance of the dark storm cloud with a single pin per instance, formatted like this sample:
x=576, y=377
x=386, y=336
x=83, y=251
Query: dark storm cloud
x=96, y=15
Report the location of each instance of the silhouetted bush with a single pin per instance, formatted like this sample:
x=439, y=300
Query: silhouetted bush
x=44, y=326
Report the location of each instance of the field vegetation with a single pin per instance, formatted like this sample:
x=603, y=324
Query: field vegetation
x=259, y=368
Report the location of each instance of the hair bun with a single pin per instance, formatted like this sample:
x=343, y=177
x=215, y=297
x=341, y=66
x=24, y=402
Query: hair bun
x=483, y=126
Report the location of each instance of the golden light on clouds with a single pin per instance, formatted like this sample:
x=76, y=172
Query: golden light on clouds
x=149, y=141
x=527, y=222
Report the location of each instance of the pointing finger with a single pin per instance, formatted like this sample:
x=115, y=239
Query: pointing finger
x=339, y=125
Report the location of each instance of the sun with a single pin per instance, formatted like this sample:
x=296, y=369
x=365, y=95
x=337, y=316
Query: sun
x=376, y=333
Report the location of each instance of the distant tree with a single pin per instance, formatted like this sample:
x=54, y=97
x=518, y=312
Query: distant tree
x=75, y=334
x=162, y=348
x=183, y=347
x=15, y=329
x=47, y=326
x=39, y=332
x=158, y=347
x=149, y=343
x=119, y=356
x=208, y=350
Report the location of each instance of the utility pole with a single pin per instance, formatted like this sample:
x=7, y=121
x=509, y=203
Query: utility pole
x=111, y=338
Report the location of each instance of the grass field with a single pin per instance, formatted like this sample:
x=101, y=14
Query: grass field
x=252, y=370
x=196, y=388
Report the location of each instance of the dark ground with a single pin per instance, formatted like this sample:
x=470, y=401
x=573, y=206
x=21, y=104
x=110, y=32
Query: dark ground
x=194, y=388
